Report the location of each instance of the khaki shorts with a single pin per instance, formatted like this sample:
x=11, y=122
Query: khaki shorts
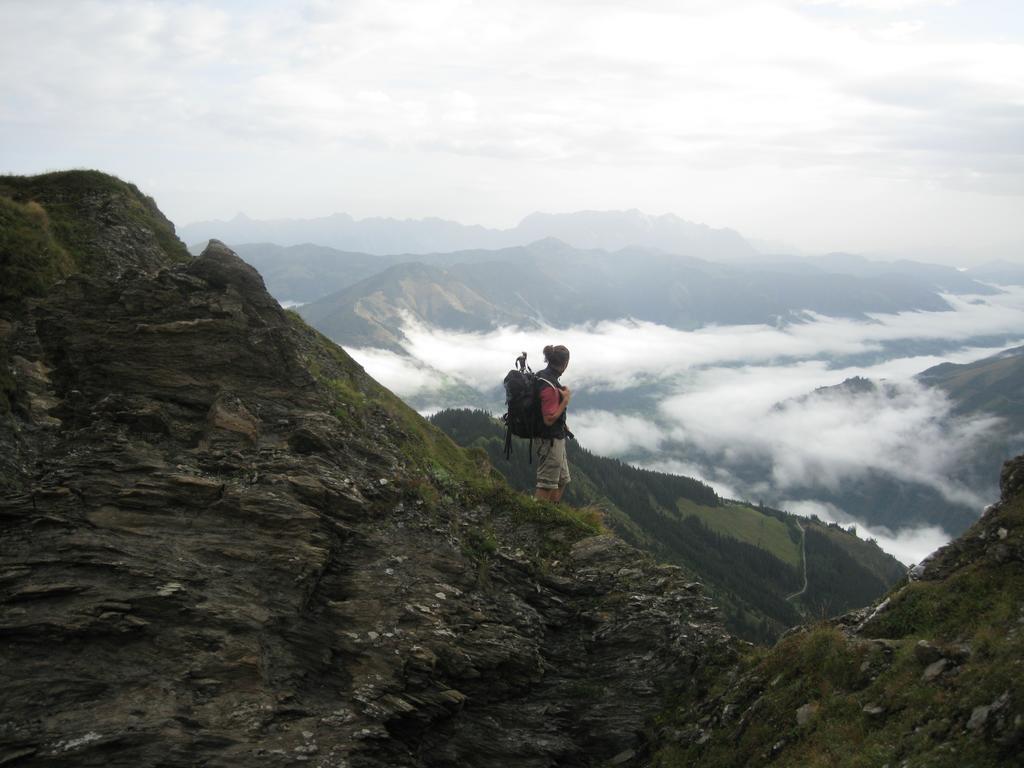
x=552, y=466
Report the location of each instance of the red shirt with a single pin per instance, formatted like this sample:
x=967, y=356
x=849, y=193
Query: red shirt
x=550, y=399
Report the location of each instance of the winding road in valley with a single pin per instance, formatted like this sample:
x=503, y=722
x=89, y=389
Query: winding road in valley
x=803, y=557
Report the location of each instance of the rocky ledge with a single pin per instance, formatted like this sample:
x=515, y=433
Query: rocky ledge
x=930, y=676
x=223, y=545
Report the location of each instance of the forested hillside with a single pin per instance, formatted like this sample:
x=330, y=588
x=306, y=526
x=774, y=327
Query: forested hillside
x=751, y=556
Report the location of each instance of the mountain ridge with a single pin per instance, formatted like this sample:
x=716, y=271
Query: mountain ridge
x=386, y=236
x=991, y=384
x=568, y=286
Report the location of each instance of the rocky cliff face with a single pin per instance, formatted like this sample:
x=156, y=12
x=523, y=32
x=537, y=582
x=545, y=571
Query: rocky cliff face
x=223, y=544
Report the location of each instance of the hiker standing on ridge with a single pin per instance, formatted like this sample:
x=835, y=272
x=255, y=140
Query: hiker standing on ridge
x=553, y=467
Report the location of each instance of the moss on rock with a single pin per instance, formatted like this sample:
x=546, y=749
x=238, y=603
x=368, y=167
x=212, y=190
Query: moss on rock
x=31, y=259
x=104, y=224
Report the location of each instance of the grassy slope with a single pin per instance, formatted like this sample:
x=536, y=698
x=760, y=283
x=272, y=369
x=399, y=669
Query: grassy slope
x=31, y=259
x=749, y=557
x=872, y=557
x=870, y=700
x=749, y=525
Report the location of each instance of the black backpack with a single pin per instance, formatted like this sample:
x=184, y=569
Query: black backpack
x=522, y=397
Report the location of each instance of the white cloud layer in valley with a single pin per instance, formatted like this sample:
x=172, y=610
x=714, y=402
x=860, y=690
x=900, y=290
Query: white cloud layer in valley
x=619, y=355
x=739, y=394
x=821, y=441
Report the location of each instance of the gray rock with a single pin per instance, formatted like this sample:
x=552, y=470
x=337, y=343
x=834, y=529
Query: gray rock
x=979, y=716
x=807, y=712
x=934, y=670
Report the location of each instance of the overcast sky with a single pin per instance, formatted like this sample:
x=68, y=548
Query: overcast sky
x=878, y=126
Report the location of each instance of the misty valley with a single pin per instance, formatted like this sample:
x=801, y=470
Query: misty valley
x=876, y=395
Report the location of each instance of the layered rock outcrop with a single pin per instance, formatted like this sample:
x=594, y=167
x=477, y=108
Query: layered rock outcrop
x=223, y=544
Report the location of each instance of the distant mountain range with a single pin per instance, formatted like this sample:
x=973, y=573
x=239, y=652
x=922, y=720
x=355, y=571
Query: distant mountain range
x=1001, y=272
x=551, y=283
x=609, y=230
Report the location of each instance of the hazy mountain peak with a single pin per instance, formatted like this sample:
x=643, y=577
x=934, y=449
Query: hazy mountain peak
x=614, y=230
x=843, y=257
x=589, y=229
x=634, y=214
x=549, y=245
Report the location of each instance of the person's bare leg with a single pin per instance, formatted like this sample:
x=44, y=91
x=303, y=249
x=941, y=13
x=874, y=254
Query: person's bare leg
x=548, y=494
x=556, y=494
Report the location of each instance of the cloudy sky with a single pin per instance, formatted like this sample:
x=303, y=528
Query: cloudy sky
x=878, y=126
x=718, y=390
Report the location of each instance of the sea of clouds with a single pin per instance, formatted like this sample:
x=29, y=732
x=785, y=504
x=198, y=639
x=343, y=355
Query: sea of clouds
x=739, y=393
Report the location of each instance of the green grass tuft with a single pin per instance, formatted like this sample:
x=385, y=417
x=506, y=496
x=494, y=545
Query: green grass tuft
x=749, y=525
x=31, y=260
